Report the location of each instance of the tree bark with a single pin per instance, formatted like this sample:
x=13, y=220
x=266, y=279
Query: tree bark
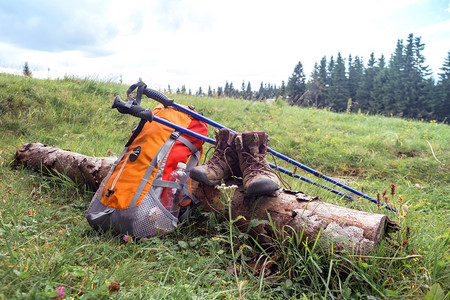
x=80, y=168
x=340, y=228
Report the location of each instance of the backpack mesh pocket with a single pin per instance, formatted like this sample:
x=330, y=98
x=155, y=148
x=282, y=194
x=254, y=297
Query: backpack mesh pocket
x=152, y=218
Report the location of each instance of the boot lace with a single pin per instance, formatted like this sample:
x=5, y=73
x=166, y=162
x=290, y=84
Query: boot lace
x=219, y=160
x=257, y=164
x=284, y=182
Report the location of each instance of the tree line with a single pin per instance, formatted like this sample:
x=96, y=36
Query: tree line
x=265, y=91
x=402, y=86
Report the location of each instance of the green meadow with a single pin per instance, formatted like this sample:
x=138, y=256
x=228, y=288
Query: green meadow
x=46, y=243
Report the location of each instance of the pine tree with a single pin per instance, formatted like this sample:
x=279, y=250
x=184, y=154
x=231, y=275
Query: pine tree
x=323, y=73
x=394, y=96
x=355, y=76
x=330, y=70
x=380, y=92
x=296, y=85
x=210, y=93
x=226, y=91
x=324, y=82
x=338, y=93
x=26, y=70
x=407, y=77
x=260, y=94
x=382, y=62
x=421, y=101
x=408, y=104
x=283, y=90
x=441, y=106
x=231, y=90
x=364, y=91
x=315, y=88
x=248, y=92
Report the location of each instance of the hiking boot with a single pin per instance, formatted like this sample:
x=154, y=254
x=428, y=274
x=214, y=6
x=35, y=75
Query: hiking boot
x=223, y=164
x=258, y=177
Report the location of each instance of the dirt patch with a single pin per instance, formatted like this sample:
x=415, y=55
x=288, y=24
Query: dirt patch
x=405, y=153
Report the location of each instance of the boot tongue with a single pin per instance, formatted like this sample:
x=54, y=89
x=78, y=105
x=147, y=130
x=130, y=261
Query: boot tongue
x=222, y=137
x=260, y=142
x=255, y=142
x=263, y=143
x=253, y=149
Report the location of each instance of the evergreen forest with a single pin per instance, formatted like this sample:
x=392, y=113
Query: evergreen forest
x=401, y=86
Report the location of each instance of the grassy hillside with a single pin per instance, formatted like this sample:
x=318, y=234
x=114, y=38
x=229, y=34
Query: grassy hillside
x=46, y=243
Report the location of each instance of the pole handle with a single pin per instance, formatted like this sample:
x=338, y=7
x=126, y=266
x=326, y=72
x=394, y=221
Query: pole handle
x=132, y=109
x=161, y=98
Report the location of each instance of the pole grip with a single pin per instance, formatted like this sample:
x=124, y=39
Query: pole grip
x=132, y=109
x=161, y=98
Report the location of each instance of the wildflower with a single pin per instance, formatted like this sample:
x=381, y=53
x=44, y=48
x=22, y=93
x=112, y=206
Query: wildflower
x=127, y=239
x=224, y=187
x=392, y=189
x=378, y=201
x=114, y=287
x=60, y=290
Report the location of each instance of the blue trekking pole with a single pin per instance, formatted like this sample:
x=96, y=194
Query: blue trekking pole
x=170, y=102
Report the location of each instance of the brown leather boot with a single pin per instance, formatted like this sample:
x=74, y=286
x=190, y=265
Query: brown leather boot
x=224, y=162
x=258, y=177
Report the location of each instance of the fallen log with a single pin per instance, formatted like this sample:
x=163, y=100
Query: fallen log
x=80, y=168
x=342, y=228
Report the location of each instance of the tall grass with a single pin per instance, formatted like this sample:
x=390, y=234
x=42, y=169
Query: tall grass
x=46, y=243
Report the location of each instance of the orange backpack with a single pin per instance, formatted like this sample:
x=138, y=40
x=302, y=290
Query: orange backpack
x=128, y=199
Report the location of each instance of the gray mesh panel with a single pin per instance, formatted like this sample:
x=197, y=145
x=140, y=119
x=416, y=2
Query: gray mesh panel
x=152, y=218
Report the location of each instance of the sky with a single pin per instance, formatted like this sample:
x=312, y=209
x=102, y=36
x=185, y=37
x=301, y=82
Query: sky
x=208, y=42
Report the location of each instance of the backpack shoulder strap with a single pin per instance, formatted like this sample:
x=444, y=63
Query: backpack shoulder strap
x=187, y=144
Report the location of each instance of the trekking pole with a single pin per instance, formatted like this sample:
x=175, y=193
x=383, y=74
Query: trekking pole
x=170, y=102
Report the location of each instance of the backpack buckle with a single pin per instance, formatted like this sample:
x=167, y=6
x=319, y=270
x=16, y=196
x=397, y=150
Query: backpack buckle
x=175, y=135
x=109, y=192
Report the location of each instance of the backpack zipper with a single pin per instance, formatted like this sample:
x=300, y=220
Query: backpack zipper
x=111, y=189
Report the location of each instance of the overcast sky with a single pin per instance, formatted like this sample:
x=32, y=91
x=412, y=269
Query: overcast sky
x=206, y=42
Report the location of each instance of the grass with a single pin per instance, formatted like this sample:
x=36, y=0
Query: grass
x=46, y=242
